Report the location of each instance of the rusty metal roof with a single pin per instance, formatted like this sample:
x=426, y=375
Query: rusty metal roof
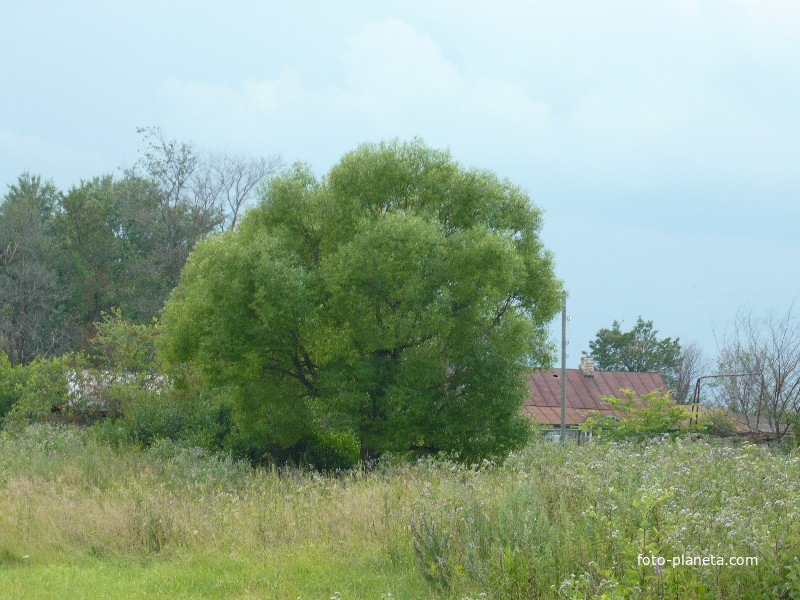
x=583, y=392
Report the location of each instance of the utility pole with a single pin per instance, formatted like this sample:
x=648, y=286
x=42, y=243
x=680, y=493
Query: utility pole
x=563, y=366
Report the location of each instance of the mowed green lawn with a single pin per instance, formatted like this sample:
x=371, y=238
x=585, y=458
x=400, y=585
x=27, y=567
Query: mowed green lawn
x=82, y=519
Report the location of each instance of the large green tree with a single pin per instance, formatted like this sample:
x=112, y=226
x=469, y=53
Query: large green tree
x=91, y=254
x=639, y=349
x=32, y=316
x=398, y=300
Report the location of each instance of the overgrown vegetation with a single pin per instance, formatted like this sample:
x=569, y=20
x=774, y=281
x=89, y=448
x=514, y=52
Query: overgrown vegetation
x=639, y=418
x=122, y=387
x=392, y=306
x=553, y=521
x=387, y=311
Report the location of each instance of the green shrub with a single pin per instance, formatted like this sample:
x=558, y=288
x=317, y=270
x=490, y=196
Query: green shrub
x=202, y=420
x=327, y=449
x=147, y=402
x=717, y=422
x=652, y=414
x=12, y=379
x=149, y=416
x=121, y=346
x=45, y=389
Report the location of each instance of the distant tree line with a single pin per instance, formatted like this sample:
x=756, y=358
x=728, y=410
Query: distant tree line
x=110, y=242
x=394, y=305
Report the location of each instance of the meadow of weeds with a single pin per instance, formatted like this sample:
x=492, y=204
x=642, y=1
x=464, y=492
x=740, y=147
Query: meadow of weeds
x=80, y=517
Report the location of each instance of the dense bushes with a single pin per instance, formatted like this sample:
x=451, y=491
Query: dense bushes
x=655, y=414
x=638, y=418
x=129, y=397
x=44, y=388
x=10, y=388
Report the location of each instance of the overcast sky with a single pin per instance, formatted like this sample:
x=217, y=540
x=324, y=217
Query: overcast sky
x=661, y=139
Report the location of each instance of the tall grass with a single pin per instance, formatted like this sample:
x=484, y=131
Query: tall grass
x=552, y=521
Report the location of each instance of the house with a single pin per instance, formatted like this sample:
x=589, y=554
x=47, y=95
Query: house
x=584, y=388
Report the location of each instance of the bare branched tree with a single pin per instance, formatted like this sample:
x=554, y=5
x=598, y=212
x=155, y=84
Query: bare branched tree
x=197, y=193
x=690, y=365
x=170, y=164
x=229, y=183
x=769, y=349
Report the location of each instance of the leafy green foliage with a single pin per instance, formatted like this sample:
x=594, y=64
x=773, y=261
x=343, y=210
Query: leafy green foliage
x=321, y=449
x=398, y=300
x=652, y=414
x=200, y=420
x=32, y=319
x=125, y=347
x=65, y=259
x=11, y=384
x=121, y=246
x=122, y=384
x=44, y=389
x=149, y=402
x=639, y=350
x=91, y=253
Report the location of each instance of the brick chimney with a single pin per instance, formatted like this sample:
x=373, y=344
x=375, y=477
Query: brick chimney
x=587, y=366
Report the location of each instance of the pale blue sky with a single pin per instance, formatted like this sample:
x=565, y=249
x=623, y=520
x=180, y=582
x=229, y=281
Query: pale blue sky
x=661, y=139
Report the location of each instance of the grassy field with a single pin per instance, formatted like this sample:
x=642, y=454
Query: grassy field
x=81, y=519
